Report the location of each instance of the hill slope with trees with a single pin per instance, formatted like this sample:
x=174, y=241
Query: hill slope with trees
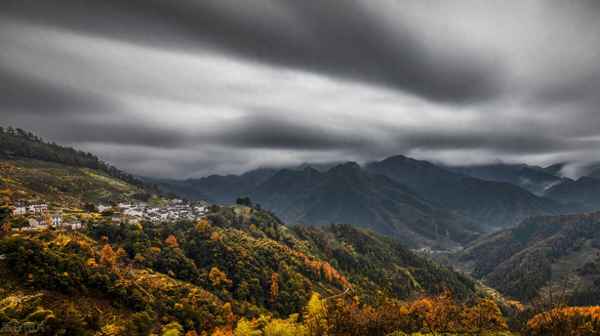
x=542, y=255
x=34, y=169
x=236, y=262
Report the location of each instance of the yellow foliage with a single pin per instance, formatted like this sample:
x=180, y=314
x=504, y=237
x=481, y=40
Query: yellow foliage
x=203, y=225
x=289, y=327
x=111, y=330
x=247, y=328
x=172, y=329
x=315, y=315
x=218, y=278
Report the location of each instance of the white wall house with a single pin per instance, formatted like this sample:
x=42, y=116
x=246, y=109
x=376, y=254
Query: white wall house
x=19, y=211
x=102, y=208
x=37, y=209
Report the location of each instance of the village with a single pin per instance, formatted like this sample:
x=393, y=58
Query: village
x=34, y=216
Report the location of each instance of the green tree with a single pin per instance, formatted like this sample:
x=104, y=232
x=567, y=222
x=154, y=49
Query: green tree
x=244, y=201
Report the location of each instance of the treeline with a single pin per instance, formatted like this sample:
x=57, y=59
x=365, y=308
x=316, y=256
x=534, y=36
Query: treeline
x=18, y=143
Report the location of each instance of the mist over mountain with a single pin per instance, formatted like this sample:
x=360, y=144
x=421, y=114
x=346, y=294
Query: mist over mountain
x=532, y=178
x=585, y=192
x=493, y=204
x=398, y=196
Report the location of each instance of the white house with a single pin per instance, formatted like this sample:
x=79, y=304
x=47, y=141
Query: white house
x=37, y=209
x=72, y=226
x=102, y=208
x=19, y=211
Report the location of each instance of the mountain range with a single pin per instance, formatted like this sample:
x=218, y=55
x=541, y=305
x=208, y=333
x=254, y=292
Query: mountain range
x=429, y=204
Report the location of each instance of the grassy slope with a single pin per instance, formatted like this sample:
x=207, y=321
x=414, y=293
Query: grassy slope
x=61, y=184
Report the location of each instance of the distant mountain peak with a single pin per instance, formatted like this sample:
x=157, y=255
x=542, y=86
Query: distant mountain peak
x=347, y=166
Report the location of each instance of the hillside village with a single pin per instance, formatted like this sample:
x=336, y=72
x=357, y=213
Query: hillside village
x=35, y=215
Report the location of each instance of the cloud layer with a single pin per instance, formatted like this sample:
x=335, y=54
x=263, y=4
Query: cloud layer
x=188, y=88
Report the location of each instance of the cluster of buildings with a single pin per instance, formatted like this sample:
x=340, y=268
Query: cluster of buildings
x=38, y=216
x=174, y=210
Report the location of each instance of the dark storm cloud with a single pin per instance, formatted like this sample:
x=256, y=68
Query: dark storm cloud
x=120, y=133
x=349, y=39
x=258, y=131
x=502, y=143
x=189, y=87
x=28, y=96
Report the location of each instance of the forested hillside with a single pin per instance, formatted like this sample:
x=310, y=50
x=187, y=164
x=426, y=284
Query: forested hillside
x=347, y=194
x=545, y=254
x=236, y=262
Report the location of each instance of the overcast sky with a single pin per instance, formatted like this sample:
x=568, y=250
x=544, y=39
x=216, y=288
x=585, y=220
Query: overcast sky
x=192, y=87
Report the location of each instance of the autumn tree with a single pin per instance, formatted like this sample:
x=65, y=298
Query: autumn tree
x=222, y=332
x=315, y=316
x=5, y=229
x=566, y=321
x=218, y=278
x=108, y=256
x=172, y=329
x=484, y=316
x=171, y=241
x=288, y=327
x=247, y=327
x=274, y=287
x=203, y=225
x=215, y=236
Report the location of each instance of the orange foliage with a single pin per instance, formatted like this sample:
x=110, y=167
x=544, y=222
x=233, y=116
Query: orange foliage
x=107, y=256
x=324, y=269
x=172, y=241
x=430, y=315
x=215, y=236
x=274, y=286
x=568, y=321
x=222, y=332
x=6, y=228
